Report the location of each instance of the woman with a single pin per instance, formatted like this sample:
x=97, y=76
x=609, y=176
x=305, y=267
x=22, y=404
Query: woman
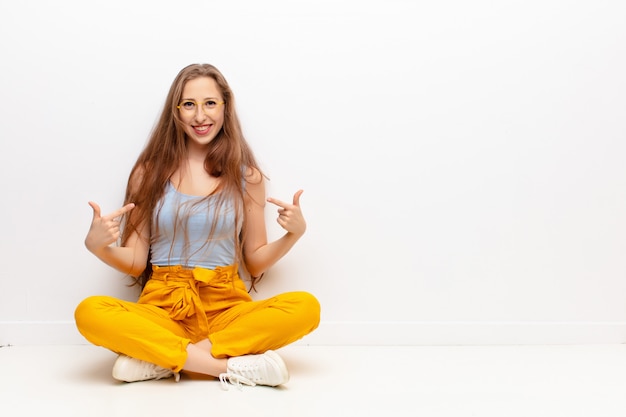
x=193, y=216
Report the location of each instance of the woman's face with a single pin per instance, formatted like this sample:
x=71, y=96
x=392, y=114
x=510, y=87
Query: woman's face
x=201, y=110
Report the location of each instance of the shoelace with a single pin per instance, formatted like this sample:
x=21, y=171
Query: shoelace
x=234, y=379
x=158, y=372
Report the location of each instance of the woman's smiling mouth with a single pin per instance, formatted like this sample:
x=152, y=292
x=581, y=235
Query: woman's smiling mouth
x=202, y=129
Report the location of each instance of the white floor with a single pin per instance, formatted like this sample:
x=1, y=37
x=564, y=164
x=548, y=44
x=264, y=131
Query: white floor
x=430, y=381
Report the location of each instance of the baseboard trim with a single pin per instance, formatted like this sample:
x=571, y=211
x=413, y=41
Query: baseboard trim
x=346, y=333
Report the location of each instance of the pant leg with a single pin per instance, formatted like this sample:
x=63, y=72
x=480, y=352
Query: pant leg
x=257, y=326
x=142, y=331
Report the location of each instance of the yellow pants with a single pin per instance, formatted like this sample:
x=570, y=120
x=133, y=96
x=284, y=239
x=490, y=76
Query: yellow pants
x=180, y=306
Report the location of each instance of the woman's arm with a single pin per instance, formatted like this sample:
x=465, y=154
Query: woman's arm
x=131, y=258
x=105, y=230
x=258, y=253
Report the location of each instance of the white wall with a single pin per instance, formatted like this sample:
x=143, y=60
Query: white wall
x=462, y=161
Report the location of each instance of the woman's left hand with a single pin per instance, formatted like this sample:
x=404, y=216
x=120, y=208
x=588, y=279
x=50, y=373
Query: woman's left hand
x=290, y=216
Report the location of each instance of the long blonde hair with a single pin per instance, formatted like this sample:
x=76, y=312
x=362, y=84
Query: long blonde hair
x=227, y=157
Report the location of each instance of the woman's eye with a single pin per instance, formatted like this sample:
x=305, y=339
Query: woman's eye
x=188, y=104
x=211, y=104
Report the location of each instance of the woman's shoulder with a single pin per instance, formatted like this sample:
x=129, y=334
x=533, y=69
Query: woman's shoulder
x=254, y=184
x=252, y=175
x=136, y=175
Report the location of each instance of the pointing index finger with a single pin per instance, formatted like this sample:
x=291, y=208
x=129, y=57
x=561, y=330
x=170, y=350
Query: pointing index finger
x=279, y=203
x=122, y=211
x=296, y=200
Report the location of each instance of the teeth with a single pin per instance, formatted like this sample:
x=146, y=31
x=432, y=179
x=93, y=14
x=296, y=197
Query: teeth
x=202, y=128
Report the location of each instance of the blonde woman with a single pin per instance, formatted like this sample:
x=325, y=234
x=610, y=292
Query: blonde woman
x=193, y=220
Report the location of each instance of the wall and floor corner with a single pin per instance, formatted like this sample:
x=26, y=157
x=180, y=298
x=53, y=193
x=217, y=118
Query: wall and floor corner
x=462, y=162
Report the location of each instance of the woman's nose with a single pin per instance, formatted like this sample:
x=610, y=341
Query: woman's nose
x=200, y=114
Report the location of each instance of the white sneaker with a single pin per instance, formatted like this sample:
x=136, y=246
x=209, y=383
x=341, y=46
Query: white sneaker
x=129, y=369
x=265, y=369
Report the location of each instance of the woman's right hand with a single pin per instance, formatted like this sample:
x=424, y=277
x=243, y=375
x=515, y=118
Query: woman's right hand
x=104, y=230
